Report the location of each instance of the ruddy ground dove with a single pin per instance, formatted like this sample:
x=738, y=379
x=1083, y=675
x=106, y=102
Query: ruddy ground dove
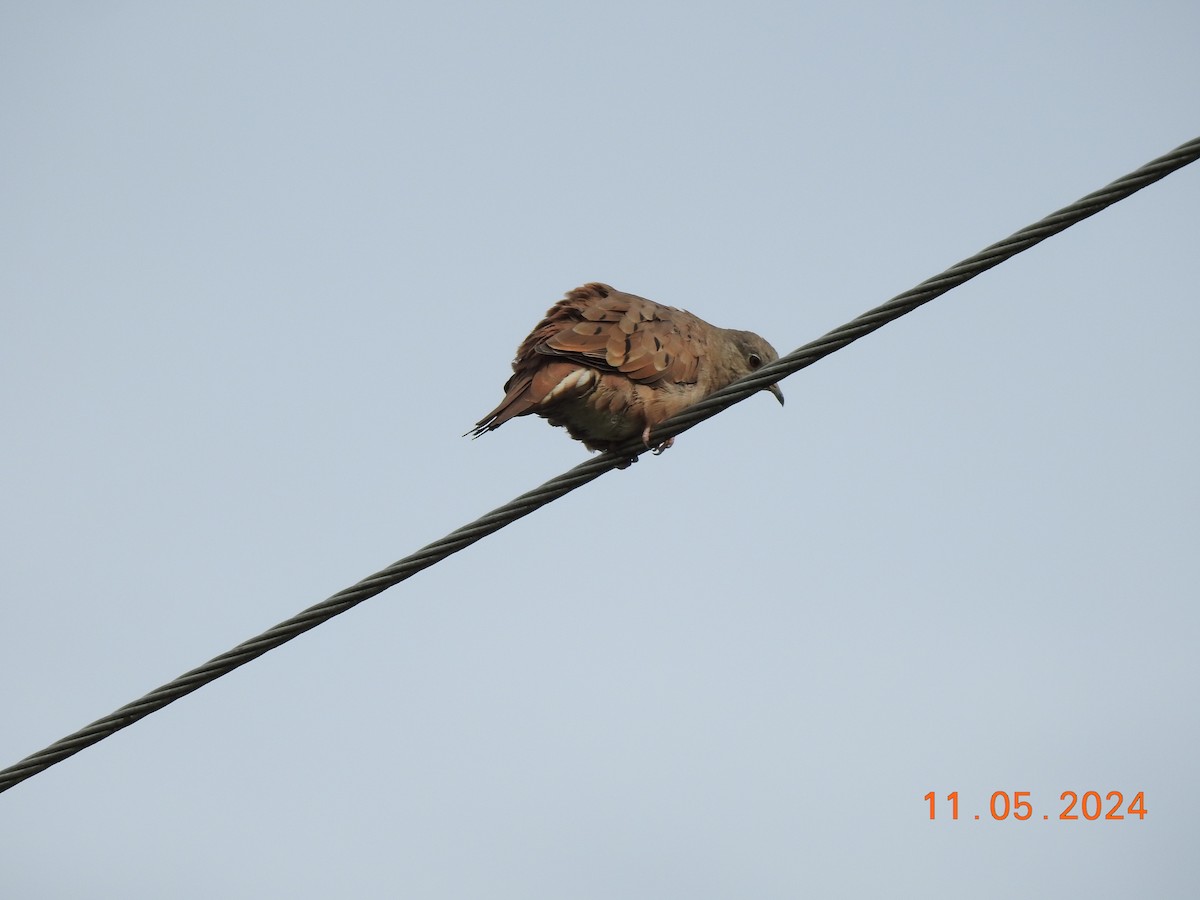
x=609, y=366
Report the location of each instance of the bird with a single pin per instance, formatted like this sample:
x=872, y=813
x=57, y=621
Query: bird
x=609, y=366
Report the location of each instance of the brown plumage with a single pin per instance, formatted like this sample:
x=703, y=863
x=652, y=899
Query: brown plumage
x=609, y=366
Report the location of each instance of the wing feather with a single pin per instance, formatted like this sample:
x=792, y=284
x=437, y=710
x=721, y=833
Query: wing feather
x=618, y=332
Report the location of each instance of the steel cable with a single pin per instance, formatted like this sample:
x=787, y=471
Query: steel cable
x=597, y=466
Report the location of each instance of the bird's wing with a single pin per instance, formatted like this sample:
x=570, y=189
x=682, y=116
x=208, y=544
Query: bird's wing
x=618, y=332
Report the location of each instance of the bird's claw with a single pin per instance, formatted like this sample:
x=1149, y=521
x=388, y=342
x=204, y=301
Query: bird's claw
x=656, y=449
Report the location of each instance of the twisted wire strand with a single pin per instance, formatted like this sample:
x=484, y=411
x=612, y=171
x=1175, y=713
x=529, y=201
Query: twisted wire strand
x=597, y=466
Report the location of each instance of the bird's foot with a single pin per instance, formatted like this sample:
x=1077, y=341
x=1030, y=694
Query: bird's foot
x=658, y=449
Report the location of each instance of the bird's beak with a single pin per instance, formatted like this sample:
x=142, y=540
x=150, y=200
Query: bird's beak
x=774, y=389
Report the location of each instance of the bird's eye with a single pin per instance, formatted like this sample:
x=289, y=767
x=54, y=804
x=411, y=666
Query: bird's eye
x=755, y=360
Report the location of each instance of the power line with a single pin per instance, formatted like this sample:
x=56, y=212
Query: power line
x=597, y=466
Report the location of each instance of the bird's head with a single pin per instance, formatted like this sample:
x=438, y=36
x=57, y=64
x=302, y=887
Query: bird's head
x=749, y=353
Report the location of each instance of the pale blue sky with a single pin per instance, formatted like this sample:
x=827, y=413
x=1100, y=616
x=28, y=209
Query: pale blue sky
x=262, y=264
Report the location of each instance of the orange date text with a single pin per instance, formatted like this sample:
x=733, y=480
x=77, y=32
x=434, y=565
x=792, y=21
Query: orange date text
x=1072, y=806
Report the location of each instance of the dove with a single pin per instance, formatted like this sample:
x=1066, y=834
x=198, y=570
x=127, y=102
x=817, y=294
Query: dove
x=609, y=366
